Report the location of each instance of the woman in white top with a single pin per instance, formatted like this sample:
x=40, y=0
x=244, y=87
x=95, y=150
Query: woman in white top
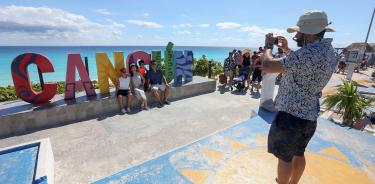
x=137, y=81
x=123, y=90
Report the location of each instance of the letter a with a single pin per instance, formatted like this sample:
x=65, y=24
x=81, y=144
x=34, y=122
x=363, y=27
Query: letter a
x=75, y=62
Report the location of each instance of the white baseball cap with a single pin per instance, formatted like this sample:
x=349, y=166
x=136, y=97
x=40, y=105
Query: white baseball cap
x=312, y=22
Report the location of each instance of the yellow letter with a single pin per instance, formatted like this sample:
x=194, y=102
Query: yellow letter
x=106, y=70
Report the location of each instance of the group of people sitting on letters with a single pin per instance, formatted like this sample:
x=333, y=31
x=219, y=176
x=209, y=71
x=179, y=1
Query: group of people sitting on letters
x=137, y=82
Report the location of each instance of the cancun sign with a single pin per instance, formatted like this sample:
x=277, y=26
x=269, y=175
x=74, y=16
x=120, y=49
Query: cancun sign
x=178, y=67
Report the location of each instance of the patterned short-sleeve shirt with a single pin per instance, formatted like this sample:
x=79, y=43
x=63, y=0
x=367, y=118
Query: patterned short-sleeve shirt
x=229, y=64
x=307, y=71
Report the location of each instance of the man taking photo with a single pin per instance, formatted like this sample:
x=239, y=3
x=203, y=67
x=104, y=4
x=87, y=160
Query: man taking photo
x=305, y=73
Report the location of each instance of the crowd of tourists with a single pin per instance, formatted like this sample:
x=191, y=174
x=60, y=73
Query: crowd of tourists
x=247, y=64
x=137, y=82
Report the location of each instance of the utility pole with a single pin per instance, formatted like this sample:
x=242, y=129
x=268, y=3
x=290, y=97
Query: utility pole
x=351, y=66
x=369, y=27
x=368, y=33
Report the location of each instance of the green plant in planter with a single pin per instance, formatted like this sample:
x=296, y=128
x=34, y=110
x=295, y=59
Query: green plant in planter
x=348, y=102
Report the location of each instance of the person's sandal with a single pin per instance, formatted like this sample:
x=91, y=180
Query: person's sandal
x=145, y=108
x=160, y=105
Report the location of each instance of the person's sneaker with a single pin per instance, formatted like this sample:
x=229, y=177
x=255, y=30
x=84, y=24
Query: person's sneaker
x=128, y=110
x=146, y=108
x=123, y=110
x=167, y=102
x=160, y=105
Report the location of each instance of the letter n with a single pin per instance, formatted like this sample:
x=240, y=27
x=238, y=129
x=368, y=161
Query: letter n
x=106, y=70
x=75, y=62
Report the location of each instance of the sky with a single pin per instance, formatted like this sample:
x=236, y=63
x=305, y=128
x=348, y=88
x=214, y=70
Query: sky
x=241, y=23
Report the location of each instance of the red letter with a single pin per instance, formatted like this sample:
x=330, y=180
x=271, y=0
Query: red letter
x=22, y=82
x=134, y=56
x=75, y=61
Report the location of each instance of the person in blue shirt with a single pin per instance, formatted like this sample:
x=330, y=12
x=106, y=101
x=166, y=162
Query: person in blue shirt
x=157, y=83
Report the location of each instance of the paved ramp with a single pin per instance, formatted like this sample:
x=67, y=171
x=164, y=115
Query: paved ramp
x=238, y=155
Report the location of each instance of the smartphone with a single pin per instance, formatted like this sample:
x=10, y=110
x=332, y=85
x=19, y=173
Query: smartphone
x=276, y=41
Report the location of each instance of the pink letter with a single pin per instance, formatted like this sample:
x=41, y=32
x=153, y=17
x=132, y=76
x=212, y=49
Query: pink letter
x=75, y=61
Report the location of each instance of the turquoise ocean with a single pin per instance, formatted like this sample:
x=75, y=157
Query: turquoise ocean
x=59, y=54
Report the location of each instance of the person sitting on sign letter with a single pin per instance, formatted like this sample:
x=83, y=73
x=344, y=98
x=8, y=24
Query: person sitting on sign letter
x=157, y=82
x=123, y=90
x=137, y=81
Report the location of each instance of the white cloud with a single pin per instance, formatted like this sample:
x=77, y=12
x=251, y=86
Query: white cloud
x=145, y=24
x=103, y=11
x=115, y=24
x=228, y=25
x=257, y=34
x=256, y=31
x=185, y=32
x=204, y=25
x=185, y=25
x=146, y=14
x=139, y=36
x=43, y=25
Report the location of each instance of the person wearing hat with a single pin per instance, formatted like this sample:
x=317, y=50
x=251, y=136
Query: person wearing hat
x=305, y=73
x=123, y=90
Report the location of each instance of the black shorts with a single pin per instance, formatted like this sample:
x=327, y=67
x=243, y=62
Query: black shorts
x=289, y=136
x=123, y=92
x=257, y=75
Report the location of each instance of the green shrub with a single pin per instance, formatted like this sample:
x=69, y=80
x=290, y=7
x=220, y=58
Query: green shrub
x=8, y=93
x=200, y=67
x=217, y=69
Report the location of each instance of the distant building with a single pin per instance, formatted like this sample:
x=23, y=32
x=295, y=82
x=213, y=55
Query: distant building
x=370, y=50
x=370, y=47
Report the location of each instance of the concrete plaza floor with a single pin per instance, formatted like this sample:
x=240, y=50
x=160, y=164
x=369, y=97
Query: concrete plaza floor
x=89, y=150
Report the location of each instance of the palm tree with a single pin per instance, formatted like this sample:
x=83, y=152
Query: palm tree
x=349, y=102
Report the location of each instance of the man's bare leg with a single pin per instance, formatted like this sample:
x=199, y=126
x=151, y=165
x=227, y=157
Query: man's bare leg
x=284, y=170
x=298, y=166
x=155, y=92
x=166, y=93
